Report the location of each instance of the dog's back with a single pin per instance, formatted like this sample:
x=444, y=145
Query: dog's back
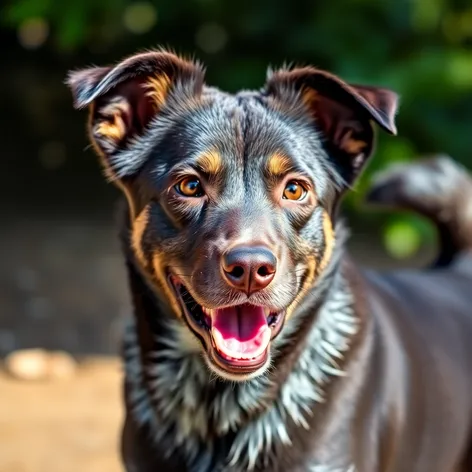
x=424, y=325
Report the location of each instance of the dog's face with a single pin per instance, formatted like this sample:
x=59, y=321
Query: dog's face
x=231, y=197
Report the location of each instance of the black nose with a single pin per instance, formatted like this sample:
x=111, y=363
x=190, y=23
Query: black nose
x=249, y=268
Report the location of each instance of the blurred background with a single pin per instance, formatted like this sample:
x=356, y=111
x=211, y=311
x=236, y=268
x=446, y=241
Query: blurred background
x=62, y=284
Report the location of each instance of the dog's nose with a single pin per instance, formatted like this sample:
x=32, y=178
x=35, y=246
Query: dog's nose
x=249, y=268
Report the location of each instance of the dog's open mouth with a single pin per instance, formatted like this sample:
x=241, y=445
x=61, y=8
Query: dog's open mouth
x=237, y=338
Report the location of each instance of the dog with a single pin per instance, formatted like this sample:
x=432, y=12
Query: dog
x=256, y=343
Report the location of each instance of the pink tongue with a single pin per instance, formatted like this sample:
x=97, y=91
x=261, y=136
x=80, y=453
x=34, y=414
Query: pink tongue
x=240, y=332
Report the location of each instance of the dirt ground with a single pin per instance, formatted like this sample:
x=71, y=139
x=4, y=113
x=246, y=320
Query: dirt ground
x=62, y=425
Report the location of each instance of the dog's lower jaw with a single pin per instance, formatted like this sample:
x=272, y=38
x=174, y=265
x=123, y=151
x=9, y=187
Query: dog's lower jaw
x=188, y=410
x=228, y=376
x=237, y=350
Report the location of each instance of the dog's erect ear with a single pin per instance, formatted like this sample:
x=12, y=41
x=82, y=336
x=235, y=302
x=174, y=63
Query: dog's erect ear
x=343, y=113
x=125, y=98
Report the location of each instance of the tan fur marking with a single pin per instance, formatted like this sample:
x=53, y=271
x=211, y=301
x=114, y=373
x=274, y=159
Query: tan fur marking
x=139, y=227
x=162, y=281
x=158, y=87
x=330, y=238
x=290, y=309
x=113, y=126
x=115, y=130
x=311, y=266
x=311, y=274
x=313, y=269
x=309, y=96
x=210, y=162
x=278, y=164
x=351, y=145
x=91, y=132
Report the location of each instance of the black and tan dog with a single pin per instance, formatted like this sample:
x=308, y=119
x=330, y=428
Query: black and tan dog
x=256, y=345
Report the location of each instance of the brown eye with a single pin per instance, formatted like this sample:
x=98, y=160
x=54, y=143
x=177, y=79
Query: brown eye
x=294, y=191
x=190, y=187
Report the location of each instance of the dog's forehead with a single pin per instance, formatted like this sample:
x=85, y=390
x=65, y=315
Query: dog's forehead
x=241, y=135
x=245, y=130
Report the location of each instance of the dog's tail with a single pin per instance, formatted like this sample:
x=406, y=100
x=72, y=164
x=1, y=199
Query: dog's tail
x=437, y=188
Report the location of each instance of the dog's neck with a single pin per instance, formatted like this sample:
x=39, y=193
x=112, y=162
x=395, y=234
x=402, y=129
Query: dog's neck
x=191, y=412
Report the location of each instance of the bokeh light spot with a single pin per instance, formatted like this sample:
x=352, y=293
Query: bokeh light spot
x=211, y=38
x=33, y=32
x=401, y=239
x=140, y=17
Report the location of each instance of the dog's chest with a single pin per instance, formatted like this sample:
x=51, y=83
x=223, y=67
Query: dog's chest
x=215, y=426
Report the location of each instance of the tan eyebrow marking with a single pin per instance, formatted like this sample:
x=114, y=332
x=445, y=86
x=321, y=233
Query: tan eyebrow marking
x=278, y=164
x=210, y=162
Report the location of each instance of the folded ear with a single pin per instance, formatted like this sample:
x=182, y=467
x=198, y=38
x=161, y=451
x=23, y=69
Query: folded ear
x=125, y=98
x=343, y=113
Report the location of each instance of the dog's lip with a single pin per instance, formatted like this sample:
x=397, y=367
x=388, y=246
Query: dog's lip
x=199, y=320
x=238, y=366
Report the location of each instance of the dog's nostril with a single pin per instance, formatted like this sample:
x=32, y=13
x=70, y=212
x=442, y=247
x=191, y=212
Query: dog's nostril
x=264, y=271
x=236, y=272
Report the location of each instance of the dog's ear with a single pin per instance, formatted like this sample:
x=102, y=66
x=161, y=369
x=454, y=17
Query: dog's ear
x=343, y=113
x=125, y=98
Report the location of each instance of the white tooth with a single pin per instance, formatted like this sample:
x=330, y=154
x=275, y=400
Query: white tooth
x=267, y=311
x=216, y=334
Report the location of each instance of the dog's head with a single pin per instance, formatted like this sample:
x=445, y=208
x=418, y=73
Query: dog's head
x=231, y=196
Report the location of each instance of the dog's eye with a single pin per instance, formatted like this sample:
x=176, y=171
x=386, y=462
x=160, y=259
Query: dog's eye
x=190, y=187
x=294, y=191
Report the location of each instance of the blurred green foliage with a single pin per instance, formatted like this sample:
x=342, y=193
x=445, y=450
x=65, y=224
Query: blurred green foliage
x=420, y=48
